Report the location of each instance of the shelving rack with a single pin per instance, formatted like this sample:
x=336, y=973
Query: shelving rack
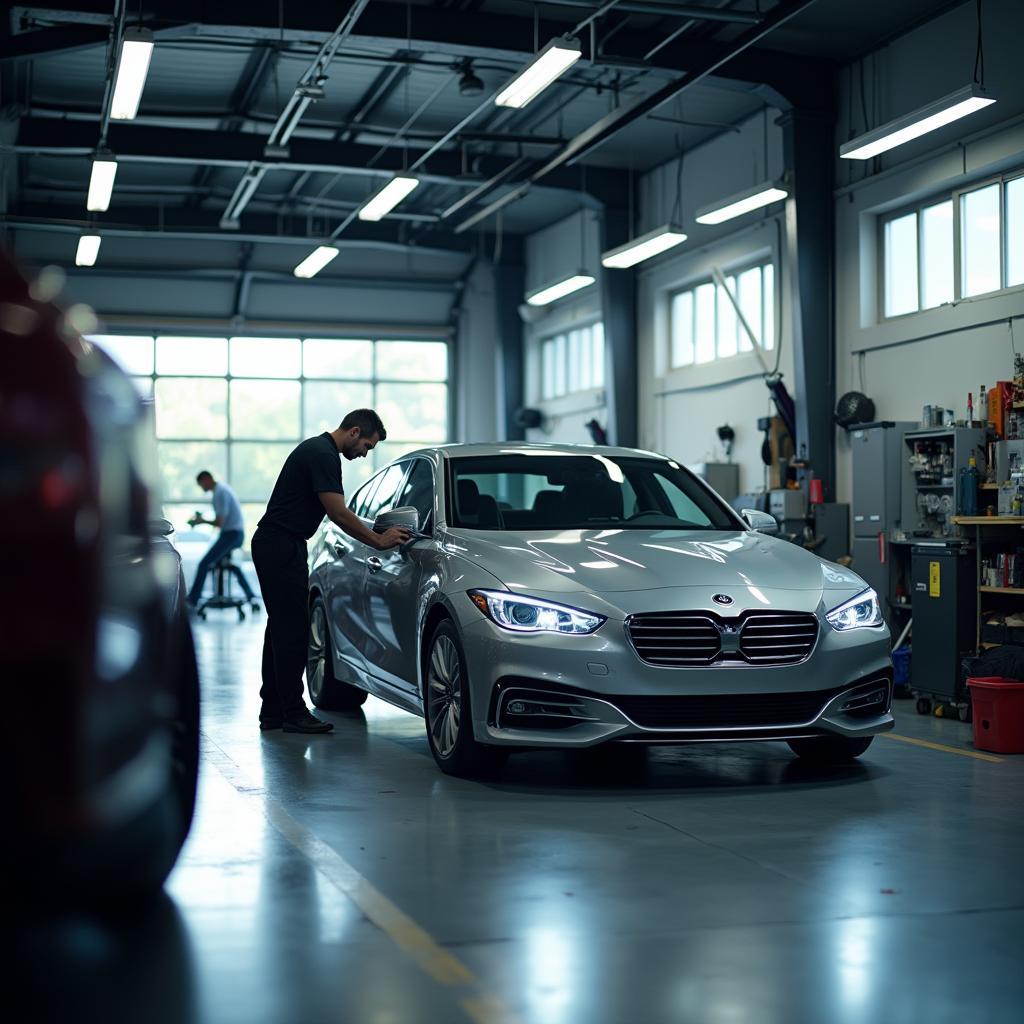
x=988, y=523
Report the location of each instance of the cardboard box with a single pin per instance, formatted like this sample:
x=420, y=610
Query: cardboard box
x=1000, y=401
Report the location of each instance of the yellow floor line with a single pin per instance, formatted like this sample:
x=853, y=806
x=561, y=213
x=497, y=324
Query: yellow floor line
x=977, y=754
x=480, y=1006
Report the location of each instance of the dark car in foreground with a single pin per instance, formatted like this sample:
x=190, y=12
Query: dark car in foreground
x=99, y=673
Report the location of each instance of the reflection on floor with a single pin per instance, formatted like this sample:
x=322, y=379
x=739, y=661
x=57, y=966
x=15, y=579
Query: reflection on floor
x=342, y=878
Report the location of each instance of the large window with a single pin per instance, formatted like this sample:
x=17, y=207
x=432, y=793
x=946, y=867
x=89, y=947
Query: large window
x=572, y=362
x=703, y=321
x=979, y=230
x=237, y=406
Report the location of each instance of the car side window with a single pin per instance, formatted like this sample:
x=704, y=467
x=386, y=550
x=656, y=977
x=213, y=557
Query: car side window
x=387, y=490
x=418, y=491
x=362, y=497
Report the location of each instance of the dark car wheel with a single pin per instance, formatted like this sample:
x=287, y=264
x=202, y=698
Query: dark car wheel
x=325, y=689
x=185, y=735
x=830, y=749
x=448, y=710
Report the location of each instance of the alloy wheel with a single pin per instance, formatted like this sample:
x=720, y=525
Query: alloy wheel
x=316, y=657
x=445, y=695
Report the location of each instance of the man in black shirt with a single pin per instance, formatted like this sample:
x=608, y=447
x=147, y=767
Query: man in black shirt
x=308, y=487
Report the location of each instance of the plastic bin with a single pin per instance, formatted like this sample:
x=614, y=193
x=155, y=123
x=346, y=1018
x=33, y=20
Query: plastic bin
x=998, y=714
x=901, y=668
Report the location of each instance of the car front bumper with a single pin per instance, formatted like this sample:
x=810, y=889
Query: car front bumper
x=578, y=691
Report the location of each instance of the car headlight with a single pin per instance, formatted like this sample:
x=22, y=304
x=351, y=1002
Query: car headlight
x=862, y=610
x=529, y=615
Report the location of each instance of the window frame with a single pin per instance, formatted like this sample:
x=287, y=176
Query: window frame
x=378, y=376
x=734, y=270
x=564, y=350
x=428, y=525
x=955, y=196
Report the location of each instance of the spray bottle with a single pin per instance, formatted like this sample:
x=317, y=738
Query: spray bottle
x=969, y=489
x=970, y=408
x=983, y=405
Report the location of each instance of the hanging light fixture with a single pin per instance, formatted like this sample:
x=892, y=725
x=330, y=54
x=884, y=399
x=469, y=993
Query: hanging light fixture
x=743, y=202
x=101, y=181
x=316, y=261
x=88, y=250
x=132, y=68
x=554, y=60
x=549, y=293
x=377, y=207
x=917, y=123
x=660, y=240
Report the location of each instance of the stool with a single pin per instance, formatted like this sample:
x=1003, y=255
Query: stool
x=222, y=596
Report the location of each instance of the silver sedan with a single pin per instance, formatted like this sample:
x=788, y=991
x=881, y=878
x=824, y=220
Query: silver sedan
x=567, y=596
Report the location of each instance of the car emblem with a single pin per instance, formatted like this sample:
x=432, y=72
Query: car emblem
x=721, y=599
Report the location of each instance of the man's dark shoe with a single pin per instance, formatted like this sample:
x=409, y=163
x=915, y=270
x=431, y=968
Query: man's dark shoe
x=270, y=723
x=306, y=722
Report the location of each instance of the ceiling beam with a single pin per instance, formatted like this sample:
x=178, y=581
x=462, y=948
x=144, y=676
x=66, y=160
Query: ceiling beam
x=133, y=143
x=576, y=149
x=434, y=29
x=259, y=228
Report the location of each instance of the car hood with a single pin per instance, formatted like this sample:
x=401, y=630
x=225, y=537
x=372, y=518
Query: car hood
x=750, y=568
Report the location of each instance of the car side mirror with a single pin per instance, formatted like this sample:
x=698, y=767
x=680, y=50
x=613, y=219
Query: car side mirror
x=161, y=527
x=762, y=522
x=405, y=518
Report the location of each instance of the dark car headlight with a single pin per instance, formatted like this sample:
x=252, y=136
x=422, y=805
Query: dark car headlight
x=862, y=610
x=530, y=615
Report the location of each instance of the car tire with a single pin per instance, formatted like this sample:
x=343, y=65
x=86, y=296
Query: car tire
x=185, y=734
x=830, y=749
x=447, y=709
x=326, y=690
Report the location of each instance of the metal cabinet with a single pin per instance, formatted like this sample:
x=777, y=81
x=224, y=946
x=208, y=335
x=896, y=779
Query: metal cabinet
x=877, y=470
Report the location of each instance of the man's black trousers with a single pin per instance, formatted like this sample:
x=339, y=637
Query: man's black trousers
x=281, y=565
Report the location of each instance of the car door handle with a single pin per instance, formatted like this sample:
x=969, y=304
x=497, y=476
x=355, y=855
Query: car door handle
x=374, y=564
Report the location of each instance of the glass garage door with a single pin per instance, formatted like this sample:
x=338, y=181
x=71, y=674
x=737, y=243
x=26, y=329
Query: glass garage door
x=237, y=406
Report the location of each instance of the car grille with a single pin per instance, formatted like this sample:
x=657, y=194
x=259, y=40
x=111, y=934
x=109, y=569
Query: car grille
x=737, y=710
x=675, y=638
x=681, y=639
x=777, y=638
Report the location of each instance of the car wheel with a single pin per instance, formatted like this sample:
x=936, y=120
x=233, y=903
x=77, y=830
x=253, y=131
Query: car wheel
x=830, y=749
x=325, y=689
x=448, y=709
x=185, y=737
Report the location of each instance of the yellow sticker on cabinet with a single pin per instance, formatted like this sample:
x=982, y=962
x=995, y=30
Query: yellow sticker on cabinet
x=934, y=580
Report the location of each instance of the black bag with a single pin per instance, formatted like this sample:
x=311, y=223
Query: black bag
x=1006, y=661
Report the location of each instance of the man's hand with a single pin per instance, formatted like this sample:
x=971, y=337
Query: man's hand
x=393, y=538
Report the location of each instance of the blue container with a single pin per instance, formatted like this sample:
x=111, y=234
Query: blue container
x=901, y=668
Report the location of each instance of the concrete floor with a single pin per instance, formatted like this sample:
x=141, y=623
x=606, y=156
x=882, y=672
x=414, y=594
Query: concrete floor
x=343, y=878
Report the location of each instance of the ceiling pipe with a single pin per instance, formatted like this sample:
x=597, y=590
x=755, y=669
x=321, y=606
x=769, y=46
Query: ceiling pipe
x=666, y=10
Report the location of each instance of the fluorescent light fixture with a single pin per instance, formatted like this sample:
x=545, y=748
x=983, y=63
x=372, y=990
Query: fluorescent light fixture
x=741, y=203
x=136, y=49
x=379, y=206
x=315, y=261
x=643, y=248
x=88, y=250
x=556, y=58
x=917, y=123
x=101, y=182
x=581, y=279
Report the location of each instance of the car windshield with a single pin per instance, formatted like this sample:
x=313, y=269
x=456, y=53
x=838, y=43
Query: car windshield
x=550, y=491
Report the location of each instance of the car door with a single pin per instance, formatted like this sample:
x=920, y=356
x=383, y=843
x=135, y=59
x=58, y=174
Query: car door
x=393, y=584
x=362, y=557
x=344, y=577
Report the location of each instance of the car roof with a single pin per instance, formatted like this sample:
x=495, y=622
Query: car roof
x=454, y=451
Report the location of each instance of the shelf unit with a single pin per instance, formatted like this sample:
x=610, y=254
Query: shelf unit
x=981, y=537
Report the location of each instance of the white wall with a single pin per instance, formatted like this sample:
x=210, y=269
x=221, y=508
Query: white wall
x=475, y=360
x=680, y=408
x=937, y=356
x=551, y=255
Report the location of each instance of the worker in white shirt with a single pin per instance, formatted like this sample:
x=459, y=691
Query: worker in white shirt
x=227, y=515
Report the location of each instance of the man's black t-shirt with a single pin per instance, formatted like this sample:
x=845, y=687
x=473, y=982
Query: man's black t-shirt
x=314, y=466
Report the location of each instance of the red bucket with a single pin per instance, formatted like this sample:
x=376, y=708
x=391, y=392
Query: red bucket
x=998, y=714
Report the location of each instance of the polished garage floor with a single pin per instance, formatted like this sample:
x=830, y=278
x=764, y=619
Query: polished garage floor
x=342, y=878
